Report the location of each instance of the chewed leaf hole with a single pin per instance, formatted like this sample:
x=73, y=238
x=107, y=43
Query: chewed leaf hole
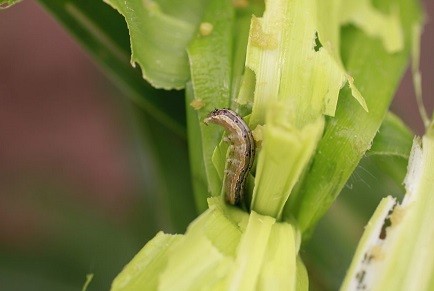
x=318, y=44
x=387, y=222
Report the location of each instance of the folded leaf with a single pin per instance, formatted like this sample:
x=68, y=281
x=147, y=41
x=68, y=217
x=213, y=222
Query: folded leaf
x=159, y=33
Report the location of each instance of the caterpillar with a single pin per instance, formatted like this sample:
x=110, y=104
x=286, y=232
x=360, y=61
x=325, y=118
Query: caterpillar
x=241, y=152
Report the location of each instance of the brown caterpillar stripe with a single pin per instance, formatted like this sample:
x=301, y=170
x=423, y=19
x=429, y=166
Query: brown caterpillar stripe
x=241, y=152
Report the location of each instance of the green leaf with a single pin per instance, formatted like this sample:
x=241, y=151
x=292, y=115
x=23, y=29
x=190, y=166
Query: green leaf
x=160, y=31
x=103, y=33
x=142, y=271
x=349, y=134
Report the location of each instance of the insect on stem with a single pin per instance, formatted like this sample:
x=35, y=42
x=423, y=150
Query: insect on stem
x=241, y=152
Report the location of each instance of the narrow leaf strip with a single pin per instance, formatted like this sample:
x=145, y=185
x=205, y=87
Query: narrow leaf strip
x=8, y=3
x=415, y=70
x=391, y=147
x=394, y=138
x=251, y=255
x=279, y=268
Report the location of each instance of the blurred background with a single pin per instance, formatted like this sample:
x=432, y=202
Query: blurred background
x=76, y=178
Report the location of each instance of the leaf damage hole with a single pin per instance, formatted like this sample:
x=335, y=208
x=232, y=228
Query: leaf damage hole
x=318, y=44
x=387, y=222
x=360, y=277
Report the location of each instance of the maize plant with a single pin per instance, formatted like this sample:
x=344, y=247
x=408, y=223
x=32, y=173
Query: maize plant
x=282, y=100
